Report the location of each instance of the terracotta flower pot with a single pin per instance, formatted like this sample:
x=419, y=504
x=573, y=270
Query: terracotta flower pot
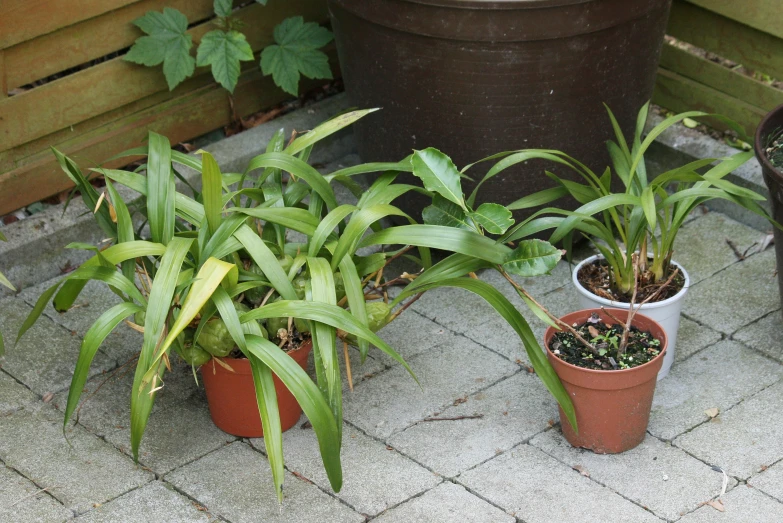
x=612, y=406
x=232, y=397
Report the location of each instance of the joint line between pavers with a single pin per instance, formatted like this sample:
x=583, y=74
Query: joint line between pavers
x=745, y=344
x=299, y=477
x=193, y=500
x=3, y=371
x=115, y=497
x=750, y=484
x=420, y=494
x=42, y=490
x=478, y=495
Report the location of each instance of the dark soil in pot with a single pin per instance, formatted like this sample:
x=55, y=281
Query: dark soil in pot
x=595, y=277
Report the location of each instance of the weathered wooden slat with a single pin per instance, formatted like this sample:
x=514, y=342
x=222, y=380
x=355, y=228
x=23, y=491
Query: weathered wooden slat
x=764, y=15
x=78, y=97
x=725, y=80
x=84, y=41
x=25, y=19
x=677, y=93
x=754, y=49
x=189, y=115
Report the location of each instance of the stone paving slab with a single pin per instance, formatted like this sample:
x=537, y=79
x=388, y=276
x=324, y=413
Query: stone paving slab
x=410, y=334
x=95, y=299
x=78, y=472
x=446, y=503
x=392, y=400
x=235, y=482
x=374, y=477
x=154, y=501
x=718, y=377
x=45, y=357
x=770, y=481
x=511, y=412
x=751, y=283
x=744, y=439
x=655, y=475
x=708, y=234
x=764, y=335
x=742, y=505
x=534, y=487
x=22, y=502
x=13, y=395
x=692, y=337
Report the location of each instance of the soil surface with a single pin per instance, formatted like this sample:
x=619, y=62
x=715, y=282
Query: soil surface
x=642, y=346
x=596, y=277
x=774, y=149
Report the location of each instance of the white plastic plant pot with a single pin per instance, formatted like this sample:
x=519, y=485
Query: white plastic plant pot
x=666, y=312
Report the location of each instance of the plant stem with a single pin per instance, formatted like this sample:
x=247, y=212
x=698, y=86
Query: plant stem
x=402, y=309
x=551, y=316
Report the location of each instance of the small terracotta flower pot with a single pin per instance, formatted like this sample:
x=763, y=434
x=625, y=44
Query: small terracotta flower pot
x=612, y=406
x=232, y=396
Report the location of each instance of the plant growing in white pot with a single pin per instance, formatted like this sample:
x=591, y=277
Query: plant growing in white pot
x=644, y=217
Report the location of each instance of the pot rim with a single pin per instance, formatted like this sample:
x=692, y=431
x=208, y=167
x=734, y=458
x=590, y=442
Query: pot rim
x=623, y=305
x=759, y=148
x=498, y=4
x=306, y=345
x=612, y=372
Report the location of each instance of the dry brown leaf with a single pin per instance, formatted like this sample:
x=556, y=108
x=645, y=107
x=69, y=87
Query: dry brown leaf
x=583, y=471
x=47, y=397
x=593, y=331
x=717, y=505
x=712, y=412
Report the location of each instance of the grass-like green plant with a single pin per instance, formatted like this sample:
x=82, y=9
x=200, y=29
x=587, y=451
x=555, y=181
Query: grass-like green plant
x=644, y=217
x=226, y=247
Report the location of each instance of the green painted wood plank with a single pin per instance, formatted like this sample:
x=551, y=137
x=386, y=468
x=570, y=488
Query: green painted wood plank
x=764, y=15
x=677, y=93
x=720, y=78
x=754, y=49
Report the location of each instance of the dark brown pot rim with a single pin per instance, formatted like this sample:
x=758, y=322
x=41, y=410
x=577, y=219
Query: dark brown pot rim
x=550, y=331
x=761, y=154
x=241, y=366
x=498, y=4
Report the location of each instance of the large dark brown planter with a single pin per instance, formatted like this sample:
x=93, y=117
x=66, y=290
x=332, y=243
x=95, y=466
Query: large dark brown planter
x=232, y=396
x=474, y=78
x=772, y=123
x=612, y=406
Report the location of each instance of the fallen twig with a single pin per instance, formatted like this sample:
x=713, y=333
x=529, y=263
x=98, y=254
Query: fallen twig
x=455, y=418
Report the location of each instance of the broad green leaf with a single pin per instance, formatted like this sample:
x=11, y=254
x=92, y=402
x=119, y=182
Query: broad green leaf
x=439, y=174
x=648, y=206
x=211, y=191
x=446, y=213
x=168, y=43
x=295, y=52
x=532, y=258
x=222, y=7
x=439, y=237
x=160, y=189
x=93, y=339
x=224, y=50
x=495, y=218
x=159, y=304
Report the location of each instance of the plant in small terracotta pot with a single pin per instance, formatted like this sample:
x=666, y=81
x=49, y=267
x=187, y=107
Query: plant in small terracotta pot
x=644, y=218
x=220, y=283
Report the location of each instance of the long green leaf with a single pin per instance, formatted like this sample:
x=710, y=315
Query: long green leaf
x=325, y=129
x=211, y=191
x=266, y=261
x=356, y=228
x=160, y=189
x=299, y=169
x=327, y=225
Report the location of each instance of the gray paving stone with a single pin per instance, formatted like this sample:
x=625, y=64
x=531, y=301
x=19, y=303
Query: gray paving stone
x=410, y=334
x=718, y=377
x=79, y=472
x=12, y=395
x=392, y=400
x=655, y=475
x=45, y=357
x=534, y=487
x=21, y=501
x=374, y=477
x=94, y=300
x=701, y=244
x=692, y=337
x=445, y=503
x=764, y=335
x=770, y=481
x=742, y=505
x=372, y=365
x=513, y=410
x=152, y=502
x=742, y=440
x=235, y=482
x=714, y=302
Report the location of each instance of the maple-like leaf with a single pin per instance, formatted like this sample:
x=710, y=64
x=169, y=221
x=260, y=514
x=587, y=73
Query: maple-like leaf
x=167, y=42
x=296, y=53
x=223, y=50
x=222, y=7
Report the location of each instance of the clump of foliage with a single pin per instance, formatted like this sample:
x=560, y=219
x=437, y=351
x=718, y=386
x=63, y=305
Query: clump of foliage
x=774, y=149
x=296, y=51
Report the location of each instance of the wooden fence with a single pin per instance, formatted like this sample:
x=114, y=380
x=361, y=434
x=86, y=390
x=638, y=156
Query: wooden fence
x=748, y=32
x=100, y=110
